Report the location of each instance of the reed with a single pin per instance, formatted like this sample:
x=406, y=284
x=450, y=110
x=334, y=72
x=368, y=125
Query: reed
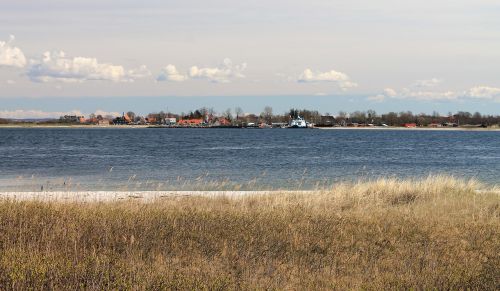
x=430, y=233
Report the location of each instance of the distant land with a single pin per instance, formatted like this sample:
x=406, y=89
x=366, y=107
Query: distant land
x=235, y=117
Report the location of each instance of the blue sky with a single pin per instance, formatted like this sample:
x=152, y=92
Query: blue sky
x=82, y=56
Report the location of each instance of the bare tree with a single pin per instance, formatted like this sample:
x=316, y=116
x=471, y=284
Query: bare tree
x=227, y=114
x=239, y=113
x=268, y=114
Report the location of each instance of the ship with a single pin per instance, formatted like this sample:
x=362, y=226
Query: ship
x=299, y=122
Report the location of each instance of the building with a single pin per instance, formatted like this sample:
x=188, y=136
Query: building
x=222, y=121
x=103, y=122
x=326, y=121
x=191, y=122
x=170, y=121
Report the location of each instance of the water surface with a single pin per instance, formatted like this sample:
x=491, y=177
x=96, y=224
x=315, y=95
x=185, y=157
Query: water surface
x=149, y=159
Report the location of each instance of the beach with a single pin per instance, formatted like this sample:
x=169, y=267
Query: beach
x=139, y=196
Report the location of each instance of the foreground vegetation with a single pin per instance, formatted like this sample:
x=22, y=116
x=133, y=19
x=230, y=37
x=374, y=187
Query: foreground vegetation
x=433, y=233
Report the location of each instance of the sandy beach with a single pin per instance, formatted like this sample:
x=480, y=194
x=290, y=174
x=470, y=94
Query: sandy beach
x=151, y=196
x=144, y=196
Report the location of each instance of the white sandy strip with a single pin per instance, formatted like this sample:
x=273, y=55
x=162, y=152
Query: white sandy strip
x=146, y=196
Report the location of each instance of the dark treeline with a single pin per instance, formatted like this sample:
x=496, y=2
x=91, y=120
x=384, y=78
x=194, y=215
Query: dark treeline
x=342, y=118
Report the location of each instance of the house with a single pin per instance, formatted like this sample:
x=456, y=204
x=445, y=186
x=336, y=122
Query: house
x=222, y=121
x=103, y=122
x=170, y=121
x=150, y=120
x=410, y=125
x=326, y=121
x=190, y=122
x=126, y=118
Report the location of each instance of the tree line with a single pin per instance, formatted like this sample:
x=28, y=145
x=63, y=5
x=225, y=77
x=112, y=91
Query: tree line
x=367, y=117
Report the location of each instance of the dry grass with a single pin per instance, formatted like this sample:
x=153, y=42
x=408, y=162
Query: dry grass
x=387, y=234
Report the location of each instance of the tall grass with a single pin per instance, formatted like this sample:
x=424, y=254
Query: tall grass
x=437, y=232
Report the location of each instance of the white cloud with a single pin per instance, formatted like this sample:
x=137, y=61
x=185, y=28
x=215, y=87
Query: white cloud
x=22, y=114
x=426, y=95
x=484, y=92
x=406, y=93
x=388, y=93
x=56, y=66
x=222, y=74
x=427, y=83
x=39, y=114
x=170, y=73
x=140, y=73
x=341, y=79
x=377, y=98
x=107, y=113
x=11, y=56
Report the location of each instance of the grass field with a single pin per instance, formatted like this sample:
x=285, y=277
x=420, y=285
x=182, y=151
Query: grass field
x=437, y=232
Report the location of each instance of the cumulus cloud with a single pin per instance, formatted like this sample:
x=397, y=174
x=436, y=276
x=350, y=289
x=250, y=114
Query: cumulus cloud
x=427, y=83
x=140, y=73
x=170, y=73
x=56, y=66
x=11, y=56
x=221, y=74
x=224, y=73
x=484, y=92
x=341, y=79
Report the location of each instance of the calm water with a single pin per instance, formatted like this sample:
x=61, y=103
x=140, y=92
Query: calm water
x=129, y=159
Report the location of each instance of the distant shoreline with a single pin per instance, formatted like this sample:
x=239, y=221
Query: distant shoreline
x=412, y=128
x=322, y=128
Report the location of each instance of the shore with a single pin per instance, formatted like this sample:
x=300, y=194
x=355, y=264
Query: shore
x=77, y=126
x=142, y=196
x=153, y=196
x=412, y=128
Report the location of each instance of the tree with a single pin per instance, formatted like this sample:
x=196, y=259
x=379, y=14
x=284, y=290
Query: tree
x=371, y=115
x=227, y=114
x=358, y=116
x=391, y=118
x=131, y=115
x=267, y=115
x=239, y=113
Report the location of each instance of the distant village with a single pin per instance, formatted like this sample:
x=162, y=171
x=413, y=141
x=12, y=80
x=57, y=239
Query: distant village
x=207, y=117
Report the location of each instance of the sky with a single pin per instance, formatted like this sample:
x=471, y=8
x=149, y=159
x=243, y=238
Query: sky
x=112, y=56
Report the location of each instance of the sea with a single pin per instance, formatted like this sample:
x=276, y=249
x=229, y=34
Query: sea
x=137, y=159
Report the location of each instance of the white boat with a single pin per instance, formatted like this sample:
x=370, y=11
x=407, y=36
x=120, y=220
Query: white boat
x=298, y=123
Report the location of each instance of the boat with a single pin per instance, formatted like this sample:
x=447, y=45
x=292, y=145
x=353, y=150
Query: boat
x=298, y=123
